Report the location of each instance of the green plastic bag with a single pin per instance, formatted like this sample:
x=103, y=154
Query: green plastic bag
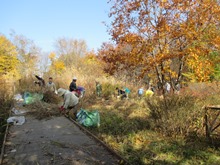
x=30, y=98
x=88, y=119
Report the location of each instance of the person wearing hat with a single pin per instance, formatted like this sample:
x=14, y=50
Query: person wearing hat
x=70, y=101
x=72, y=86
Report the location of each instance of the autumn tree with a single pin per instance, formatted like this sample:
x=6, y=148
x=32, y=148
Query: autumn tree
x=8, y=67
x=8, y=57
x=70, y=51
x=168, y=35
x=28, y=55
x=108, y=54
x=122, y=60
x=91, y=65
x=56, y=66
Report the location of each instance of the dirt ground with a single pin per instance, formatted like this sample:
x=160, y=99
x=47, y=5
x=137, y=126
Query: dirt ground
x=54, y=141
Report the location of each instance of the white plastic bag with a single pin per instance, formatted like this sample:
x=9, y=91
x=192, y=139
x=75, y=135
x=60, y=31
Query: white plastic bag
x=18, y=97
x=16, y=120
x=18, y=112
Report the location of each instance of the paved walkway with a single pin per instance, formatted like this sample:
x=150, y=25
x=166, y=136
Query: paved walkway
x=53, y=142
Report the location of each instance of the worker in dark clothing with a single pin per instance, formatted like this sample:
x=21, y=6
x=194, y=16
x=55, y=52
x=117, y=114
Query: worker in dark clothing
x=40, y=81
x=121, y=93
x=72, y=86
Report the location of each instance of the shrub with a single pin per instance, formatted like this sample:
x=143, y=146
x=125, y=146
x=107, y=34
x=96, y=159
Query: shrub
x=108, y=90
x=175, y=115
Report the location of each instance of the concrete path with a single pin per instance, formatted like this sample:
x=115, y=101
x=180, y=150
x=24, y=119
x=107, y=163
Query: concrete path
x=53, y=142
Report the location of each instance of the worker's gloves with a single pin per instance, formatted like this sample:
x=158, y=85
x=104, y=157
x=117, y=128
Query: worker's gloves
x=62, y=109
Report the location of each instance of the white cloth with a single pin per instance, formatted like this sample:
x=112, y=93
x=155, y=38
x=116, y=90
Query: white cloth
x=168, y=87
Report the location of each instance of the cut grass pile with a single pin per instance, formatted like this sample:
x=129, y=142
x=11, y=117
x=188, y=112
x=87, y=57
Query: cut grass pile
x=42, y=110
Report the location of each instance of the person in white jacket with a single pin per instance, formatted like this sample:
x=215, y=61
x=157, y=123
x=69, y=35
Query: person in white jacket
x=70, y=101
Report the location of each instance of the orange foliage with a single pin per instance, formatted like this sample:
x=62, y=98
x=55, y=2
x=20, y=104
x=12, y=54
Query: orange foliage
x=152, y=34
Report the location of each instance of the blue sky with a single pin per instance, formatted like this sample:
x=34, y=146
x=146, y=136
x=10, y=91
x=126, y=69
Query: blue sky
x=44, y=21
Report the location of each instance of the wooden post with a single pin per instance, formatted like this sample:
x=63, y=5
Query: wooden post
x=210, y=126
x=207, y=130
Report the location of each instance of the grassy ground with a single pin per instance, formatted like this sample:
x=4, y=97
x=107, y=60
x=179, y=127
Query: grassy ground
x=125, y=127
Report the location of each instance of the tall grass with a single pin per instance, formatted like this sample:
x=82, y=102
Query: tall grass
x=148, y=131
x=5, y=105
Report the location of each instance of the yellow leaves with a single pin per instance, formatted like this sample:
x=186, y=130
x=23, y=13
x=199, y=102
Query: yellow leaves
x=57, y=66
x=91, y=58
x=6, y=47
x=201, y=67
x=52, y=56
x=139, y=141
x=8, y=56
x=162, y=30
x=216, y=42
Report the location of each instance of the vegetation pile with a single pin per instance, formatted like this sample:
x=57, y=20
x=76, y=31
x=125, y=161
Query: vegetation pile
x=51, y=97
x=42, y=110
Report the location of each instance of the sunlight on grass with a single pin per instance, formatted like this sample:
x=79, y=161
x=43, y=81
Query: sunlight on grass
x=126, y=126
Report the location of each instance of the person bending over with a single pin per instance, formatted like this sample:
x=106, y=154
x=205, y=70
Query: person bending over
x=70, y=101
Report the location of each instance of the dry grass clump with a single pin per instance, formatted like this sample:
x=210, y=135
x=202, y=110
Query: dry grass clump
x=42, y=110
x=51, y=97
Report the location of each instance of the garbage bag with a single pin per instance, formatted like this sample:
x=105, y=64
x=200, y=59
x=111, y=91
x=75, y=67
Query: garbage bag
x=18, y=97
x=88, y=119
x=16, y=120
x=18, y=112
x=30, y=98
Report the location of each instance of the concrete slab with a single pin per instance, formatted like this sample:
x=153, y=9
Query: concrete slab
x=56, y=141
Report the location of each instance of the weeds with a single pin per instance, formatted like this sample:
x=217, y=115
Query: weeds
x=179, y=116
x=5, y=105
x=148, y=131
